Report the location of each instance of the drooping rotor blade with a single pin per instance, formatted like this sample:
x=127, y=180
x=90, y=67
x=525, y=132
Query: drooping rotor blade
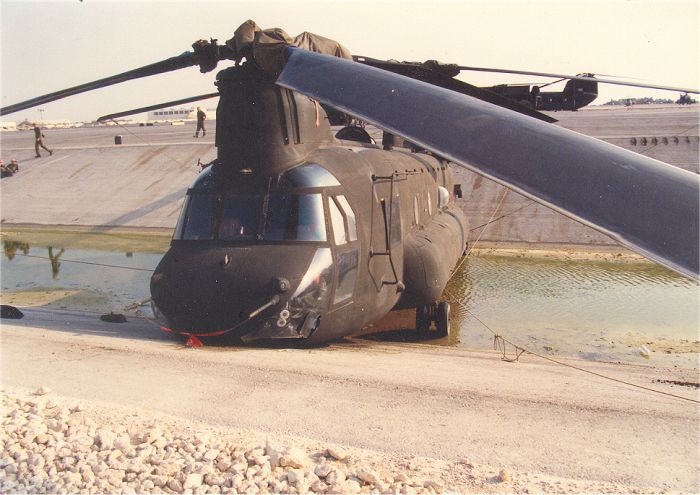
x=578, y=78
x=206, y=55
x=646, y=205
x=158, y=106
x=443, y=75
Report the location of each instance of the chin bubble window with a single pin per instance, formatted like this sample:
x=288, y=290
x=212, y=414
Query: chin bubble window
x=314, y=289
x=347, y=275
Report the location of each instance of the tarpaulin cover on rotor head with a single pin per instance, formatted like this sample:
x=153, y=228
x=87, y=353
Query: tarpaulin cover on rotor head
x=267, y=46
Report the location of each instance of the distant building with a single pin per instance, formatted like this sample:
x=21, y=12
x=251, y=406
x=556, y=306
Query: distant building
x=58, y=124
x=183, y=113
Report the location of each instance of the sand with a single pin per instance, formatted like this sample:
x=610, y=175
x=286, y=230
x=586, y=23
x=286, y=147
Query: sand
x=426, y=411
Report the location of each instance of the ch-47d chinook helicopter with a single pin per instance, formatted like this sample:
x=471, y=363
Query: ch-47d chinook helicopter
x=291, y=233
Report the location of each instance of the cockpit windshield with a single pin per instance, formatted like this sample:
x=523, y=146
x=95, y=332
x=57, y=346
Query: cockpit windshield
x=295, y=217
x=214, y=216
x=237, y=217
x=240, y=217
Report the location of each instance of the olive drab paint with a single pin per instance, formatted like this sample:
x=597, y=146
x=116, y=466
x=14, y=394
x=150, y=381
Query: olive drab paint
x=328, y=235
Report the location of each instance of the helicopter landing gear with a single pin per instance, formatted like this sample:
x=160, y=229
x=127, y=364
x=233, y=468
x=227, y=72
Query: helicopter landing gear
x=442, y=322
x=433, y=320
x=423, y=320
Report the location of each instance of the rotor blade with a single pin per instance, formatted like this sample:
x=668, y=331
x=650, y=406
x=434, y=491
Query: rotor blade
x=429, y=74
x=206, y=54
x=578, y=78
x=649, y=206
x=185, y=60
x=156, y=107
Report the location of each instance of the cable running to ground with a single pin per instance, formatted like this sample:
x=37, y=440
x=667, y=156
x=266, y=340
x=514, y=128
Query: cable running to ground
x=147, y=143
x=520, y=350
x=87, y=263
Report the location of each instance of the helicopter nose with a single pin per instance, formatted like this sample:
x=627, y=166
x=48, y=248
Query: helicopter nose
x=209, y=289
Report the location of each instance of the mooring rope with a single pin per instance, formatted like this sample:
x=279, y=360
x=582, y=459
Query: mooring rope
x=149, y=144
x=504, y=216
x=86, y=262
x=500, y=341
x=471, y=247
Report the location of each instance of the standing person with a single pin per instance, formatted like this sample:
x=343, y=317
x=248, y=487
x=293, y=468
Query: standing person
x=201, y=117
x=38, y=141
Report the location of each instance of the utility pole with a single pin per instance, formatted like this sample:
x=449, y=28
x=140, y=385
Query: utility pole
x=41, y=113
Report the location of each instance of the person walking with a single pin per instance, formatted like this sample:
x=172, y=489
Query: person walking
x=201, y=117
x=39, y=141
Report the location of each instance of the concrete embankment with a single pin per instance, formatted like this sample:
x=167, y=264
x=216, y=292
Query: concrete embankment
x=91, y=181
x=139, y=185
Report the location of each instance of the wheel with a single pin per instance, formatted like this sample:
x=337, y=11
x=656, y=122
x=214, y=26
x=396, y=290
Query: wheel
x=422, y=320
x=442, y=321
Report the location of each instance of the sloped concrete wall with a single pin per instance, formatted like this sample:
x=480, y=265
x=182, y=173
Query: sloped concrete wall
x=89, y=181
x=133, y=186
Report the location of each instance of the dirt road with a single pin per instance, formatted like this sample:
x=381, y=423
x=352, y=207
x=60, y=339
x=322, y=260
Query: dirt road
x=536, y=419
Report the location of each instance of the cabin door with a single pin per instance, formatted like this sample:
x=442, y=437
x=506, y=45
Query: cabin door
x=346, y=252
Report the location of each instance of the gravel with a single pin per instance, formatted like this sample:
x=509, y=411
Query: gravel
x=55, y=446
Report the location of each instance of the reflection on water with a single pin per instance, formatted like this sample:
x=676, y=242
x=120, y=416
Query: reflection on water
x=593, y=310
x=55, y=265
x=10, y=248
x=50, y=276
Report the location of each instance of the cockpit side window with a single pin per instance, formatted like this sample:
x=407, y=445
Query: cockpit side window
x=181, y=219
x=295, y=217
x=337, y=222
x=350, y=216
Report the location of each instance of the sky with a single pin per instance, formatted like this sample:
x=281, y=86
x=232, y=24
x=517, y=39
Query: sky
x=47, y=46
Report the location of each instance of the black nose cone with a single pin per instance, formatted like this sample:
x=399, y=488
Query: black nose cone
x=204, y=289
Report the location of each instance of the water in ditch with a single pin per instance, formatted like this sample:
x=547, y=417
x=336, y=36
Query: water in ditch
x=632, y=312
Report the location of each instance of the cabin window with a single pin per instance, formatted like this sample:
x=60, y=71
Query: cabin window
x=443, y=197
x=199, y=221
x=295, y=217
x=350, y=216
x=240, y=216
x=416, y=211
x=337, y=222
x=308, y=175
x=395, y=220
x=430, y=205
x=347, y=275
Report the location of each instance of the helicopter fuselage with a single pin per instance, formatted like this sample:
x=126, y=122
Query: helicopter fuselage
x=291, y=234
x=576, y=94
x=330, y=246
